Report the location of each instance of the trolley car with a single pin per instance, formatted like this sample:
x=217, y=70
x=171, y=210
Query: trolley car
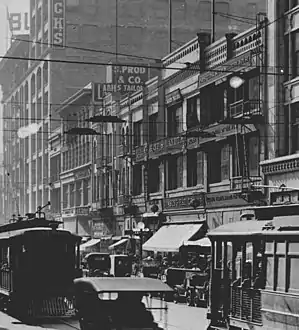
x=254, y=275
x=38, y=264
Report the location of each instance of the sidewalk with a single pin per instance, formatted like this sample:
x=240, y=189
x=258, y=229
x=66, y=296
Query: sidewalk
x=9, y=323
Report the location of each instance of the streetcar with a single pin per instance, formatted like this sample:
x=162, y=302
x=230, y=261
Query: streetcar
x=120, y=303
x=257, y=285
x=38, y=264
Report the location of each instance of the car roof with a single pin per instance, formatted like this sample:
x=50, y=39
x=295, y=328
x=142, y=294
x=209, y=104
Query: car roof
x=123, y=284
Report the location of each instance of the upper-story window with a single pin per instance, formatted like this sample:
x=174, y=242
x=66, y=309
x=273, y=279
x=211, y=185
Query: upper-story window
x=213, y=104
x=193, y=106
x=175, y=120
x=153, y=127
x=218, y=163
x=295, y=54
x=137, y=129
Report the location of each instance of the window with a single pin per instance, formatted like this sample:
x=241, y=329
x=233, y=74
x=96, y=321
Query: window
x=195, y=168
x=295, y=127
x=204, y=10
x=85, y=192
x=222, y=10
x=175, y=120
x=137, y=181
x=193, y=105
x=251, y=10
x=137, y=129
x=175, y=172
x=153, y=128
x=253, y=155
x=213, y=97
x=153, y=179
x=71, y=3
x=218, y=163
x=295, y=54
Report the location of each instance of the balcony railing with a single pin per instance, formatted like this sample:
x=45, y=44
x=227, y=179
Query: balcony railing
x=244, y=108
x=244, y=183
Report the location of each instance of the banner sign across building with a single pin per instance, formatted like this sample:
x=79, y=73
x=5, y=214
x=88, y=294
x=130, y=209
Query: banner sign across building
x=58, y=23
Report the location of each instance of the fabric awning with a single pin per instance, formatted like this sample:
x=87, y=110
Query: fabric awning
x=203, y=242
x=89, y=244
x=170, y=238
x=121, y=242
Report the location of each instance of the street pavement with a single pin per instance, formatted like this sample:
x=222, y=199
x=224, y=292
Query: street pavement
x=179, y=317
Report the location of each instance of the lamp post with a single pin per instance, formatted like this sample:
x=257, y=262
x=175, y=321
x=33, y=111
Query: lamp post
x=236, y=81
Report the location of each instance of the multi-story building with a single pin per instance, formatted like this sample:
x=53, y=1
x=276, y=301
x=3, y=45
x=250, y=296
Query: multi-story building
x=15, y=109
x=192, y=141
x=281, y=165
x=65, y=32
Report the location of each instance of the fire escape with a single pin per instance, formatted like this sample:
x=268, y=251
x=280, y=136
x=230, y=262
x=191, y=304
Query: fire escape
x=247, y=116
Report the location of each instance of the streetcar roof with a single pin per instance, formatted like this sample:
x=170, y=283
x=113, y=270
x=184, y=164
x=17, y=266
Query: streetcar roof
x=123, y=284
x=281, y=225
x=14, y=233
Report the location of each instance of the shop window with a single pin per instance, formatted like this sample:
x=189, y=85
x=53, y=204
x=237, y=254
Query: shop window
x=195, y=168
x=137, y=180
x=193, y=105
x=137, y=129
x=153, y=127
x=175, y=172
x=175, y=120
x=153, y=179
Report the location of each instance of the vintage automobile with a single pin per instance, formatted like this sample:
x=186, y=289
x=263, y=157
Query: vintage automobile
x=118, y=303
x=98, y=264
x=121, y=265
x=198, y=289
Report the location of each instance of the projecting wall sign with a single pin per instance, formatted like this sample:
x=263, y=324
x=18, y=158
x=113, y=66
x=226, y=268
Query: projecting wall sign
x=58, y=23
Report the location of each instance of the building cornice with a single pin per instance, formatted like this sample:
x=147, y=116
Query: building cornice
x=280, y=165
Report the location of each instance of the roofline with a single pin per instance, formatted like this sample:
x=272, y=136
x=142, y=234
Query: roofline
x=75, y=97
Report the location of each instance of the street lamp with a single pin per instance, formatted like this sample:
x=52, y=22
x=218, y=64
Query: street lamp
x=236, y=81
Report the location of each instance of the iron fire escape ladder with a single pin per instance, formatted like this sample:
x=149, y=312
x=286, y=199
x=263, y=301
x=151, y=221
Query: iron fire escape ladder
x=245, y=156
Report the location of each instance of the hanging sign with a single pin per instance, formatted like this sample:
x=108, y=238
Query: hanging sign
x=58, y=23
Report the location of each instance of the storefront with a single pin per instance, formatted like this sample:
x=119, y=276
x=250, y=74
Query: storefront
x=77, y=221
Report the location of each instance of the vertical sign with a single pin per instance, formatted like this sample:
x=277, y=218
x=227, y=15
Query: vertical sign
x=58, y=23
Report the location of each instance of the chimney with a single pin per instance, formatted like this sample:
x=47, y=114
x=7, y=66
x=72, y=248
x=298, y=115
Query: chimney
x=204, y=40
x=229, y=45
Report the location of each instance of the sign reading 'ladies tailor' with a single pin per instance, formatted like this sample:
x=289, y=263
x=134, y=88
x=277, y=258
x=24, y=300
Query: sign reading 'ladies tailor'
x=58, y=23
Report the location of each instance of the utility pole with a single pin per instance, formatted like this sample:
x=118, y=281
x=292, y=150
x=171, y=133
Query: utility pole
x=169, y=26
x=213, y=21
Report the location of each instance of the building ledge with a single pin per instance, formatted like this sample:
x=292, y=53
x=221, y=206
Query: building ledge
x=282, y=164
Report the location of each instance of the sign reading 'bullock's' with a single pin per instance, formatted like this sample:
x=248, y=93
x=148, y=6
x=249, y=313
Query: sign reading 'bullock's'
x=58, y=23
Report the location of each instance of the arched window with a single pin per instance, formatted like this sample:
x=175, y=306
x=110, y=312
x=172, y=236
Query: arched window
x=45, y=73
x=39, y=79
x=32, y=85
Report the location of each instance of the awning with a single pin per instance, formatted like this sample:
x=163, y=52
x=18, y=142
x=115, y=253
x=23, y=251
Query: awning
x=203, y=242
x=89, y=244
x=170, y=238
x=121, y=242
